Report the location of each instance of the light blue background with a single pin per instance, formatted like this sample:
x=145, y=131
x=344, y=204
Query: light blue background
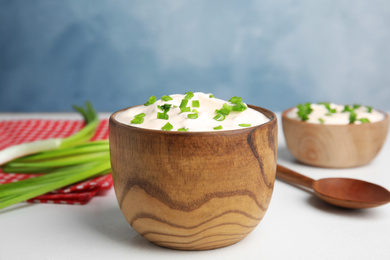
x=116, y=54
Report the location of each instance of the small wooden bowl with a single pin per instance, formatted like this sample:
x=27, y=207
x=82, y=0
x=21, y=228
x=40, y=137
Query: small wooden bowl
x=194, y=190
x=334, y=146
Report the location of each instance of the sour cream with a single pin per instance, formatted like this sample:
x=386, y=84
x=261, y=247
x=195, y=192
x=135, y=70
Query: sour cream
x=206, y=111
x=321, y=114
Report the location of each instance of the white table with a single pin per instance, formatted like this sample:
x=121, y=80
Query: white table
x=296, y=225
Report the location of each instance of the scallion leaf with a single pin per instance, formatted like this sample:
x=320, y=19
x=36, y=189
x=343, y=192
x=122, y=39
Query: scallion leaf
x=219, y=117
x=304, y=111
x=218, y=127
x=193, y=116
x=245, y=125
x=195, y=103
x=183, y=129
x=364, y=120
x=138, y=119
x=151, y=101
x=189, y=95
x=166, y=98
x=185, y=109
x=163, y=116
x=352, y=117
x=167, y=127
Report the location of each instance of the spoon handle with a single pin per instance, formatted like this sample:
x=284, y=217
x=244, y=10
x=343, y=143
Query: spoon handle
x=293, y=177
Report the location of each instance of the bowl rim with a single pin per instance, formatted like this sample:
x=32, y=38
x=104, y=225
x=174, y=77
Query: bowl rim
x=287, y=118
x=268, y=113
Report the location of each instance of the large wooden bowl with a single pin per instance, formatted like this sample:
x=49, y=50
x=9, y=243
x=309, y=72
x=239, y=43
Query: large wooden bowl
x=334, y=146
x=194, y=190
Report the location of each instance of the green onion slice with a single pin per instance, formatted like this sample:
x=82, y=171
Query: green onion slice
x=193, y=116
x=189, y=95
x=151, y=101
x=166, y=98
x=195, y=103
x=167, y=127
x=218, y=127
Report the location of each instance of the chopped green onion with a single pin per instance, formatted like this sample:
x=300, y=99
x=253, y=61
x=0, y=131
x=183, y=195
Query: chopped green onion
x=166, y=98
x=369, y=109
x=364, y=120
x=356, y=106
x=185, y=109
x=189, y=95
x=162, y=116
x=138, y=119
x=165, y=108
x=195, y=103
x=167, y=127
x=218, y=127
x=239, y=106
x=321, y=120
x=183, y=106
x=193, y=116
x=235, y=100
x=219, y=117
x=182, y=129
x=327, y=106
x=245, y=125
x=304, y=111
x=352, y=117
x=151, y=101
x=211, y=96
x=347, y=108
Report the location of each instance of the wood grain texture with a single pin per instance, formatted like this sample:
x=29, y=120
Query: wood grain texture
x=334, y=146
x=194, y=190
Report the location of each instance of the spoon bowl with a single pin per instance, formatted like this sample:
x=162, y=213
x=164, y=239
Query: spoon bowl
x=342, y=192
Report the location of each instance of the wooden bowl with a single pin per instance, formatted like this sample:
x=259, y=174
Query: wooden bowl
x=334, y=146
x=194, y=190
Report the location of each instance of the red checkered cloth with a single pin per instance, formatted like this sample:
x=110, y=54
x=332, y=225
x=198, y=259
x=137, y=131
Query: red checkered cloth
x=20, y=131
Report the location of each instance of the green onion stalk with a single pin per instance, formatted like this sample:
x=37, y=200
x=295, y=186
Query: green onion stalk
x=59, y=161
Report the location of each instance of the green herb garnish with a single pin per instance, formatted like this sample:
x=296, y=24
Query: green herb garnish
x=352, y=117
x=364, y=120
x=211, y=96
x=369, y=109
x=167, y=127
x=235, y=100
x=183, y=106
x=195, y=103
x=151, y=101
x=219, y=117
x=193, y=116
x=165, y=108
x=327, y=106
x=138, y=119
x=218, y=127
x=189, y=95
x=304, y=111
x=321, y=120
x=245, y=125
x=238, y=106
x=166, y=98
x=182, y=129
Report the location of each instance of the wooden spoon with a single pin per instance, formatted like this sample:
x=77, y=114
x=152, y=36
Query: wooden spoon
x=342, y=192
